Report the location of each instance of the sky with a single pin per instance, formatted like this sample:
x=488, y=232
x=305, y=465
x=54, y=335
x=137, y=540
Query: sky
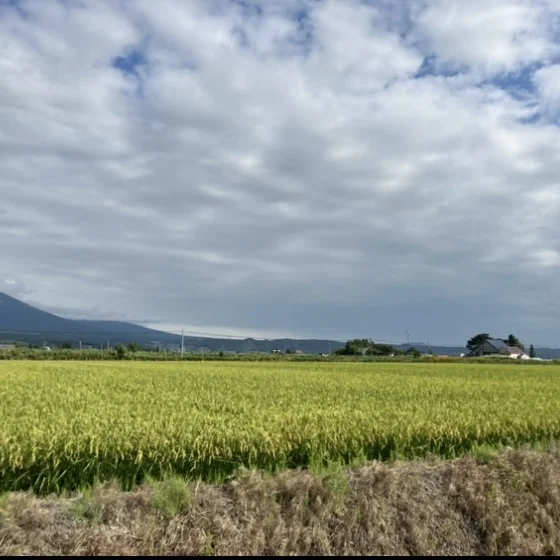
x=305, y=168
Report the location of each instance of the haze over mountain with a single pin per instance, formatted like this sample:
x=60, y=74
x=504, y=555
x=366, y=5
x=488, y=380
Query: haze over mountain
x=22, y=322
x=18, y=320
x=19, y=317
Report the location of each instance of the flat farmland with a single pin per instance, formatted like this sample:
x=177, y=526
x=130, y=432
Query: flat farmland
x=67, y=424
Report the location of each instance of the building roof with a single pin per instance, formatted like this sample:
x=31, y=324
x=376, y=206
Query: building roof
x=514, y=350
x=497, y=343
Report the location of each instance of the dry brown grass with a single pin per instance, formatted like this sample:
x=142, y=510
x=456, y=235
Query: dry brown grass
x=508, y=505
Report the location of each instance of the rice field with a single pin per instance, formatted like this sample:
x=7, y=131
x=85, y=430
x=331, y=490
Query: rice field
x=64, y=425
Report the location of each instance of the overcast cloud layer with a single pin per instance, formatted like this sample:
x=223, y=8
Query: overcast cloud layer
x=308, y=168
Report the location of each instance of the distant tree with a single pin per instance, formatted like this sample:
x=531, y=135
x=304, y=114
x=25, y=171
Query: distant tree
x=365, y=346
x=383, y=350
x=512, y=340
x=355, y=347
x=120, y=350
x=532, y=353
x=474, y=342
x=134, y=347
x=66, y=346
x=414, y=352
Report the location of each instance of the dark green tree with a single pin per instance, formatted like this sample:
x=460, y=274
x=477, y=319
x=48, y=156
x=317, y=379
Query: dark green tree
x=134, y=347
x=474, y=342
x=66, y=346
x=365, y=346
x=414, y=352
x=512, y=340
x=532, y=353
x=120, y=351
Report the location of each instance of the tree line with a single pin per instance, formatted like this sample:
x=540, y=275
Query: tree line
x=367, y=347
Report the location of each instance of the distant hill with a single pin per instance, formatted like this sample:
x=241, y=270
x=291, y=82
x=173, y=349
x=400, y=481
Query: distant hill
x=122, y=328
x=22, y=322
x=25, y=323
x=16, y=316
x=115, y=326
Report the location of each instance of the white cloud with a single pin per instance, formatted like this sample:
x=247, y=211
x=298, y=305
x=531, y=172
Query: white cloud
x=280, y=170
x=355, y=51
x=548, y=83
x=489, y=38
x=547, y=258
x=13, y=287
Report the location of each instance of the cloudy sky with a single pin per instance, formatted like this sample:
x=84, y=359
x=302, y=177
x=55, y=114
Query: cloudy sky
x=309, y=168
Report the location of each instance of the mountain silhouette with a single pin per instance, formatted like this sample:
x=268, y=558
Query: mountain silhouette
x=20, y=321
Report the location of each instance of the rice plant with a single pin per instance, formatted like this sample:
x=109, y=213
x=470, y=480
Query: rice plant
x=65, y=425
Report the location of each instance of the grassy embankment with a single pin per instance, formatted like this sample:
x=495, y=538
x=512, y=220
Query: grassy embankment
x=504, y=505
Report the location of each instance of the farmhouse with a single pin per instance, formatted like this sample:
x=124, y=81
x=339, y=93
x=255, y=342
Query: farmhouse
x=497, y=347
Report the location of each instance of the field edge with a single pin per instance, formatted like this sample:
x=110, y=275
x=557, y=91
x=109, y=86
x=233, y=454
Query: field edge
x=507, y=503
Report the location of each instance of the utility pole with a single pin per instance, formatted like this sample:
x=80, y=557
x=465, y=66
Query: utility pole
x=80, y=344
x=408, y=338
x=329, y=348
x=108, y=347
x=202, y=352
x=182, y=342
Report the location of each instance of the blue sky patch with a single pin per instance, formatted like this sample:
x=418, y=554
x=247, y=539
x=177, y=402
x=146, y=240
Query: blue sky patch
x=533, y=119
x=430, y=68
x=241, y=36
x=520, y=84
x=16, y=4
x=305, y=26
x=130, y=63
x=249, y=9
